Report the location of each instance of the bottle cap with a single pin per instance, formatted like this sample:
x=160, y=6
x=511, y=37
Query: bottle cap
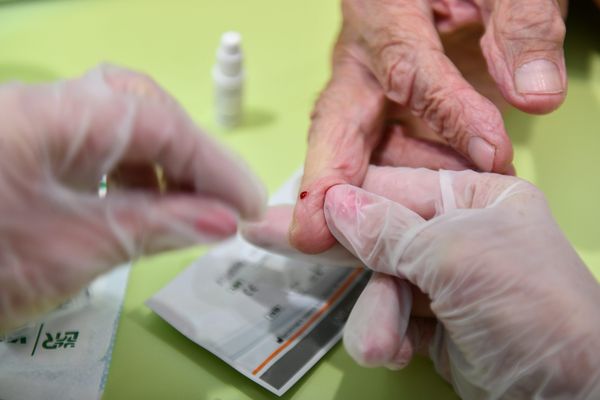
x=229, y=54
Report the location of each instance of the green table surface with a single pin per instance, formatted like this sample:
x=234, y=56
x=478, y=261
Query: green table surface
x=287, y=47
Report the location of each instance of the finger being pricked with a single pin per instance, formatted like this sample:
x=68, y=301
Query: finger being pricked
x=346, y=125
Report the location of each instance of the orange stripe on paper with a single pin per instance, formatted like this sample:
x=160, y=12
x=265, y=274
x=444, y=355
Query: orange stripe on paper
x=312, y=319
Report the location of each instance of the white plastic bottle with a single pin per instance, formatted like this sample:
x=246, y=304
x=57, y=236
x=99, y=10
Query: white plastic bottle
x=228, y=77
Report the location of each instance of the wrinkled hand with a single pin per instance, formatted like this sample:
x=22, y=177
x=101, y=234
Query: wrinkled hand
x=421, y=65
x=58, y=140
x=516, y=307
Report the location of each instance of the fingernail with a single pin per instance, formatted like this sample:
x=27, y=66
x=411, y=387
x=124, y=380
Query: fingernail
x=538, y=77
x=482, y=153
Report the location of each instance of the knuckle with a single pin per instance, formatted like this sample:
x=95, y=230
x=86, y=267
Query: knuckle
x=398, y=73
x=399, y=54
x=454, y=110
x=400, y=60
x=443, y=110
x=528, y=28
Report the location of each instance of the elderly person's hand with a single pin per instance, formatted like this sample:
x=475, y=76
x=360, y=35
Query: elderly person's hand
x=421, y=65
x=57, y=142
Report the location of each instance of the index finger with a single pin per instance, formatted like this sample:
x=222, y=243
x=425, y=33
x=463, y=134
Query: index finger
x=346, y=125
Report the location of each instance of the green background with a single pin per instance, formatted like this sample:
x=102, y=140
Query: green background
x=287, y=47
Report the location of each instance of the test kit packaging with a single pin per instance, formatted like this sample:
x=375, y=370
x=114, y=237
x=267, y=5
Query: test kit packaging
x=270, y=317
x=66, y=354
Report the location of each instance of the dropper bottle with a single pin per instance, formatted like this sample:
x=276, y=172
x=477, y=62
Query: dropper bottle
x=228, y=77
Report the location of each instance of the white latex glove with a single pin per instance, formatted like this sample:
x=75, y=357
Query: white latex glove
x=58, y=140
x=516, y=308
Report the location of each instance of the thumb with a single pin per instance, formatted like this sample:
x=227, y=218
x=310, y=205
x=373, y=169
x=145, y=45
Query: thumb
x=523, y=46
x=373, y=228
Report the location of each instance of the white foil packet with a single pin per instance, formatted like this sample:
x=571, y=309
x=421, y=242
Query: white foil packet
x=270, y=317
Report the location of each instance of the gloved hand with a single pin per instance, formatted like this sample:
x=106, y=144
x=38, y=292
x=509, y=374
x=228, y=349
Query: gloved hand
x=426, y=66
x=58, y=140
x=516, y=309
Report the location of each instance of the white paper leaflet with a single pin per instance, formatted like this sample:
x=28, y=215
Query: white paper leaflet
x=66, y=354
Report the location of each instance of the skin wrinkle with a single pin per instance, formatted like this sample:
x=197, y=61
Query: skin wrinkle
x=345, y=163
x=497, y=64
x=346, y=35
x=517, y=42
x=433, y=110
x=525, y=17
x=364, y=33
x=553, y=33
x=403, y=92
x=345, y=130
x=328, y=103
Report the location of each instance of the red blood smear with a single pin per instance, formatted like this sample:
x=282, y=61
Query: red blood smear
x=303, y=195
